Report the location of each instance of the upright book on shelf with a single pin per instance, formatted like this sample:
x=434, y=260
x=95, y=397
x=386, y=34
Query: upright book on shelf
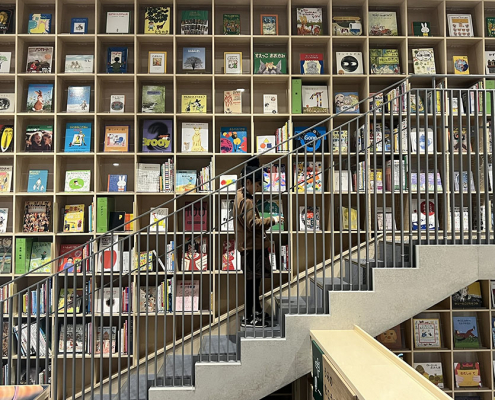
x=194, y=103
x=314, y=99
x=349, y=62
x=79, y=64
x=232, y=102
x=74, y=218
x=311, y=63
x=39, y=138
x=78, y=99
x=117, y=103
x=157, y=20
x=116, y=138
x=157, y=136
x=37, y=216
x=231, y=24
x=39, y=97
x=39, y=23
x=7, y=102
x=466, y=332
x=37, y=181
x=79, y=25
x=5, y=178
x=118, y=22
x=7, y=21
x=309, y=21
x=194, y=59
x=117, y=60
x=424, y=61
x=78, y=181
x=194, y=22
x=431, y=371
x=382, y=23
x=233, y=139
x=467, y=375
x=5, y=59
x=39, y=60
x=6, y=138
x=78, y=137
x=427, y=333
x=270, y=63
x=460, y=25
x=194, y=137
x=468, y=297
x=153, y=99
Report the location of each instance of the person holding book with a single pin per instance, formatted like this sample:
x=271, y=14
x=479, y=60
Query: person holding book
x=252, y=242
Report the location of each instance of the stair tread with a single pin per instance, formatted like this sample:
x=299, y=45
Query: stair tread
x=219, y=344
x=187, y=361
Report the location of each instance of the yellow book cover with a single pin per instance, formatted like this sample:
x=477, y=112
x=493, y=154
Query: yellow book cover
x=461, y=65
x=74, y=218
x=194, y=103
x=349, y=217
x=157, y=20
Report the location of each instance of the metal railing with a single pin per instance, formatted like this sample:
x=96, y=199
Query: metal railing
x=139, y=309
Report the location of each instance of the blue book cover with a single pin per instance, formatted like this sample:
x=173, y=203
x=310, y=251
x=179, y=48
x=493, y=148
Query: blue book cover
x=466, y=332
x=79, y=25
x=233, y=139
x=185, y=180
x=117, y=60
x=157, y=136
x=39, y=23
x=347, y=102
x=78, y=137
x=37, y=181
x=40, y=97
x=117, y=183
x=309, y=137
x=78, y=99
x=193, y=58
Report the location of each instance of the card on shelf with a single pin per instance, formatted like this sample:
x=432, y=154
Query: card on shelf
x=194, y=59
x=79, y=64
x=232, y=62
x=232, y=102
x=78, y=137
x=194, y=137
x=153, y=99
x=39, y=23
x=117, y=183
x=157, y=136
x=39, y=138
x=270, y=105
x=78, y=181
x=157, y=62
x=79, y=25
x=7, y=102
x=117, y=60
x=6, y=138
x=5, y=178
x=269, y=24
x=117, y=103
x=5, y=58
x=157, y=20
x=39, y=97
x=118, y=21
x=116, y=138
x=78, y=99
x=231, y=24
x=37, y=181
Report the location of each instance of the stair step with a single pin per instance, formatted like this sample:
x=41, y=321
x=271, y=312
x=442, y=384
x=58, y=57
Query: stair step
x=178, y=377
x=266, y=332
x=219, y=348
x=386, y=253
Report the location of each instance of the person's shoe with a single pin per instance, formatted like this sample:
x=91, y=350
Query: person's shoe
x=268, y=318
x=246, y=321
x=253, y=322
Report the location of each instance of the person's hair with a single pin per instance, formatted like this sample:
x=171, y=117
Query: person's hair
x=252, y=171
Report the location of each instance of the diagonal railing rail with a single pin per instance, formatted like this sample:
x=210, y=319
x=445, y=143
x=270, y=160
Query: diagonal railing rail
x=139, y=309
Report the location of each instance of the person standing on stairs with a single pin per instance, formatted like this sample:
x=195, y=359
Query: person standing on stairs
x=252, y=242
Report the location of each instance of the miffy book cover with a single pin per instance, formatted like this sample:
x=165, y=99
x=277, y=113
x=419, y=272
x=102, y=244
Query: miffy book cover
x=117, y=183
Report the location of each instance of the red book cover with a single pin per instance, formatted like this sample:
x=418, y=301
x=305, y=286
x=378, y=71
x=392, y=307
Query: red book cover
x=196, y=217
x=70, y=259
x=311, y=63
x=231, y=258
x=196, y=256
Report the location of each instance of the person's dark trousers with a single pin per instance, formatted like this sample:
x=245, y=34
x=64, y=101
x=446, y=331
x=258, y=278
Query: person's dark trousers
x=254, y=275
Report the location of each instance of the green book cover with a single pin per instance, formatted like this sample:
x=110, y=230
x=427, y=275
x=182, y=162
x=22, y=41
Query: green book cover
x=231, y=24
x=270, y=63
x=490, y=26
x=296, y=96
x=41, y=253
x=22, y=254
x=489, y=84
x=422, y=28
x=104, y=205
x=153, y=98
x=271, y=208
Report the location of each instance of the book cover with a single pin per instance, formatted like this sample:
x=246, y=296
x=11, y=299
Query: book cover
x=22, y=254
x=346, y=102
x=5, y=255
x=148, y=299
x=233, y=140
x=490, y=26
x=194, y=59
x=158, y=219
x=466, y=333
x=108, y=256
x=232, y=102
x=117, y=60
x=116, y=138
x=424, y=61
x=74, y=218
x=384, y=61
x=106, y=340
x=468, y=297
x=391, y=338
x=464, y=182
x=39, y=60
x=274, y=178
x=460, y=140
x=185, y=181
x=104, y=205
x=467, y=375
x=490, y=66
x=232, y=62
x=157, y=20
x=39, y=138
x=227, y=215
x=148, y=178
x=349, y=62
x=265, y=142
x=7, y=21
x=194, y=137
x=194, y=22
x=78, y=99
x=118, y=22
x=41, y=256
x=314, y=99
x=270, y=105
x=228, y=183
x=37, y=216
x=39, y=23
x=157, y=136
x=382, y=23
x=117, y=183
x=349, y=219
x=116, y=221
x=311, y=63
x=461, y=65
x=153, y=99
x=340, y=141
x=72, y=257
x=39, y=97
x=270, y=63
x=5, y=60
x=309, y=21
x=7, y=102
x=187, y=295
x=460, y=25
x=37, y=181
x=195, y=257
x=78, y=137
x=269, y=24
x=308, y=177
x=196, y=217
x=426, y=333
x=68, y=300
x=77, y=181
x=231, y=258
x=193, y=103
x=157, y=62
x=424, y=215
x=422, y=142
x=431, y=371
x=231, y=24
x=79, y=64
x=421, y=28
x=5, y=178
x=79, y=25
x=309, y=218
x=117, y=103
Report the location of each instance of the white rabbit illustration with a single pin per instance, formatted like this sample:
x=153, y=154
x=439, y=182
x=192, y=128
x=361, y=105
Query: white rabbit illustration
x=121, y=183
x=425, y=29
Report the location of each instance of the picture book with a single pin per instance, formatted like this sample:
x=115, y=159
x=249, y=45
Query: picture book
x=265, y=142
x=233, y=140
x=269, y=24
x=431, y=371
x=4, y=220
x=194, y=137
x=309, y=21
x=466, y=332
x=79, y=64
x=117, y=183
x=7, y=102
x=468, y=297
x=314, y=99
x=349, y=62
x=232, y=102
x=231, y=258
x=39, y=97
x=157, y=136
x=461, y=65
x=382, y=23
x=39, y=138
x=148, y=177
x=39, y=60
x=270, y=63
x=227, y=215
x=153, y=98
x=157, y=20
x=108, y=257
x=148, y=300
x=193, y=59
x=347, y=26
x=106, y=337
x=422, y=142
x=116, y=138
x=117, y=60
x=79, y=25
x=78, y=137
x=157, y=62
x=77, y=181
x=347, y=102
x=68, y=299
x=5, y=249
x=158, y=219
x=340, y=141
x=118, y=22
x=117, y=103
x=274, y=178
x=490, y=63
x=39, y=23
x=460, y=25
x=424, y=61
x=232, y=62
x=426, y=333
x=467, y=375
x=391, y=338
x=194, y=22
x=196, y=217
x=349, y=218
x=311, y=141
x=78, y=99
x=187, y=295
x=309, y=218
x=185, y=180
x=41, y=256
x=37, y=181
x=384, y=61
x=72, y=256
x=460, y=141
x=270, y=105
x=74, y=218
x=424, y=215
x=6, y=138
x=228, y=183
x=308, y=177
x=195, y=257
x=5, y=178
x=193, y=103
x=311, y=63
x=421, y=28
x=5, y=60
x=7, y=22
x=490, y=26
x=231, y=24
